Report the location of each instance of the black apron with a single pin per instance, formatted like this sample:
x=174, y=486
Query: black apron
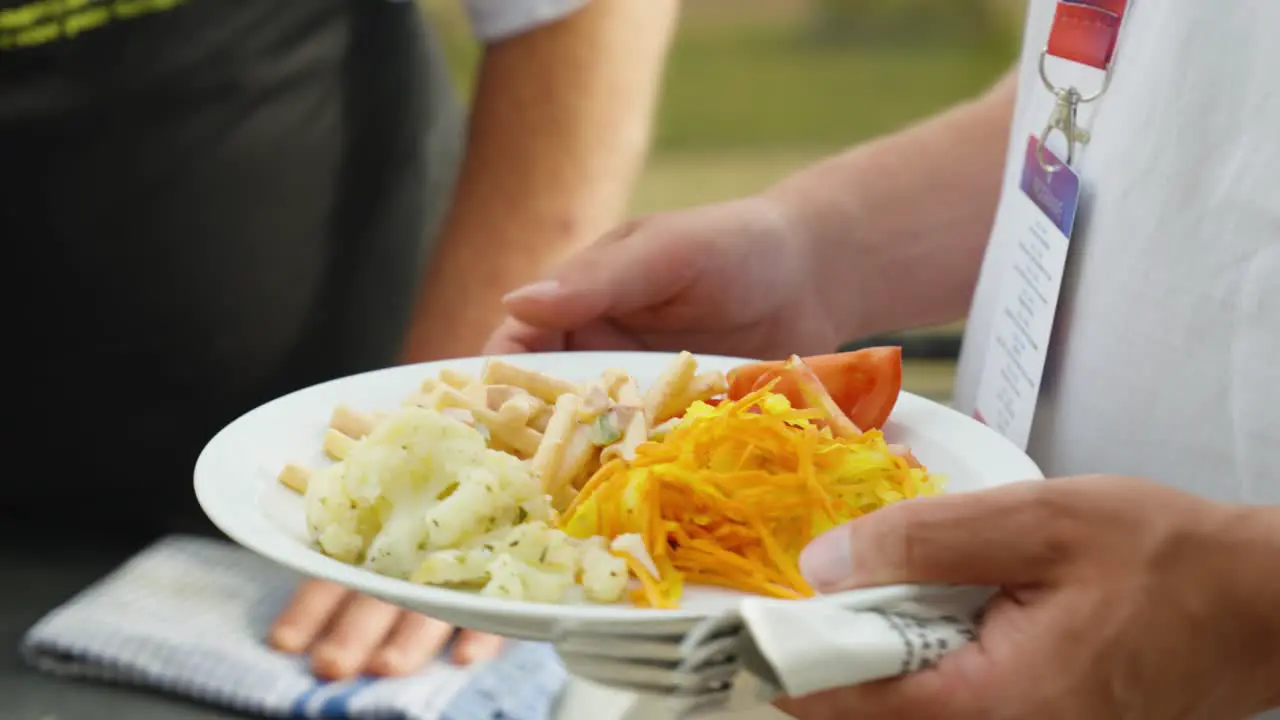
x=203, y=204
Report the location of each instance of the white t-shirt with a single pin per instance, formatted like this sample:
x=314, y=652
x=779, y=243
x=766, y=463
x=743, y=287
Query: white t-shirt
x=497, y=19
x=1165, y=358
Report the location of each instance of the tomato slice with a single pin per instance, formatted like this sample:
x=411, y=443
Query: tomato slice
x=864, y=383
x=815, y=395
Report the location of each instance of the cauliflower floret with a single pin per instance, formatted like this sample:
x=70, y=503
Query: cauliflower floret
x=455, y=567
x=604, y=575
x=469, y=510
x=541, y=546
x=531, y=562
x=513, y=579
x=420, y=481
x=414, y=452
x=497, y=493
x=422, y=497
x=341, y=524
x=632, y=544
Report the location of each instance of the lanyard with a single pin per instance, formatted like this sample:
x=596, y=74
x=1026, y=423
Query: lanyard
x=1085, y=32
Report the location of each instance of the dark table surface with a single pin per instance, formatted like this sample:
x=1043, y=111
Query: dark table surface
x=36, y=577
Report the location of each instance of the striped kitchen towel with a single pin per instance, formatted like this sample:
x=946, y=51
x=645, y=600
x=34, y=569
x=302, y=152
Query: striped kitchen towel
x=188, y=616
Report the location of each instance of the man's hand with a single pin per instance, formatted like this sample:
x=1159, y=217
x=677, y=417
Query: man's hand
x=1121, y=599
x=348, y=634
x=731, y=278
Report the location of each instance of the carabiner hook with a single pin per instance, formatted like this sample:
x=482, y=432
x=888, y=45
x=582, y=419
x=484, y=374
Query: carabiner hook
x=1063, y=119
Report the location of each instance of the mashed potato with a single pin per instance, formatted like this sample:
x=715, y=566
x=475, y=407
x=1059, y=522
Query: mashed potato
x=422, y=498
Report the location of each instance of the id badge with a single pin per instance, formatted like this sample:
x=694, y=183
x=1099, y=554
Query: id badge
x=1034, y=234
x=1031, y=235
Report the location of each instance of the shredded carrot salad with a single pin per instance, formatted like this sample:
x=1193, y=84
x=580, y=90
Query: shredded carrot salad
x=732, y=494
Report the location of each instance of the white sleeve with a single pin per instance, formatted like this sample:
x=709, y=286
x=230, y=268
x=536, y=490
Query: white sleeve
x=498, y=19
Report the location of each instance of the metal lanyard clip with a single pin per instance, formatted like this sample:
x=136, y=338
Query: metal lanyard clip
x=1066, y=101
x=1062, y=119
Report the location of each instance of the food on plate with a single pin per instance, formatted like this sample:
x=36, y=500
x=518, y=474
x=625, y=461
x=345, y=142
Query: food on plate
x=864, y=383
x=733, y=494
x=423, y=497
x=526, y=486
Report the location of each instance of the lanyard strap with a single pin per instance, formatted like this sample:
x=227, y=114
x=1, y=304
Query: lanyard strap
x=1084, y=32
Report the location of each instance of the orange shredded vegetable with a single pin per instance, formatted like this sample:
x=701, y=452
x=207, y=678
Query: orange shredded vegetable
x=732, y=494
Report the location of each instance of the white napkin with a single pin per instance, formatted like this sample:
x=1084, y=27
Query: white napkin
x=804, y=648
x=742, y=659
x=189, y=615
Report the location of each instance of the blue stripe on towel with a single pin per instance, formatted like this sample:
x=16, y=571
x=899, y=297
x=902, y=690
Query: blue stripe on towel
x=338, y=705
x=298, y=711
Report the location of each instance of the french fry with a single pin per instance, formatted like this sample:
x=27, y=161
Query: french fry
x=456, y=379
x=542, y=386
x=513, y=404
x=546, y=460
x=578, y=451
x=432, y=400
x=660, y=399
x=351, y=423
x=703, y=386
x=495, y=396
x=295, y=477
x=541, y=418
x=337, y=445
x=523, y=439
x=517, y=411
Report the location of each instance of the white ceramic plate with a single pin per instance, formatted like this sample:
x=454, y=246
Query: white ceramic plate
x=235, y=481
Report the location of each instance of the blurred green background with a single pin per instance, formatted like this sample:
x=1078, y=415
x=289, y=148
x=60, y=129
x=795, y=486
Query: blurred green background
x=756, y=89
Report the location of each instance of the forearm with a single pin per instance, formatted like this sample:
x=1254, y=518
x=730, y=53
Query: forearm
x=558, y=133
x=898, y=226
